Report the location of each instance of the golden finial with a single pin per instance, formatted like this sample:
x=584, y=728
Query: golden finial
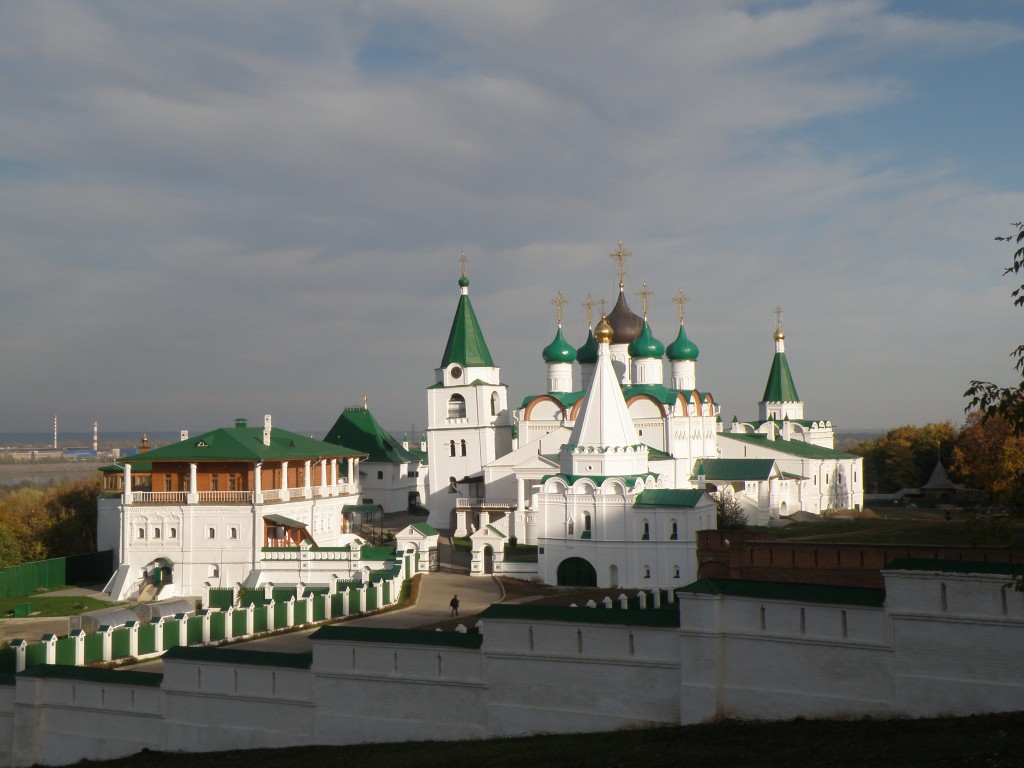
x=366, y=406
x=462, y=262
x=559, y=302
x=645, y=294
x=602, y=302
x=778, y=335
x=603, y=334
x=620, y=256
x=681, y=300
x=589, y=306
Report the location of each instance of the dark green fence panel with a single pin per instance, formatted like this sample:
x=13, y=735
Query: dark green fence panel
x=93, y=648
x=8, y=660
x=300, y=612
x=239, y=623
x=120, y=643
x=35, y=655
x=147, y=639
x=387, y=593
x=217, y=621
x=259, y=618
x=222, y=597
x=66, y=651
x=319, y=607
x=280, y=614
x=281, y=594
x=194, y=630
x=171, y=638
x=247, y=597
x=27, y=578
x=371, y=597
x=353, y=600
x=338, y=605
x=91, y=568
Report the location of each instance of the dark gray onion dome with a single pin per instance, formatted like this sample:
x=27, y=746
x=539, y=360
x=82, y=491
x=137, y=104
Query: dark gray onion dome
x=626, y=325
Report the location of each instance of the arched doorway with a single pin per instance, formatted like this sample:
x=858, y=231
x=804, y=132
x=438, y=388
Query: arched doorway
x=576, y=572
x=613, y=576
x=488, y=559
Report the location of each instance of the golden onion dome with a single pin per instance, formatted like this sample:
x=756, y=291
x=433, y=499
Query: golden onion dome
x=604, y=333
x=778, y=335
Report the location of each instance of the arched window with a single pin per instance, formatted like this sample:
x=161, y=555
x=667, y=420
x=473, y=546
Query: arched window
x=495, y=402
x=586, y=522
x=572, y=527
x=457, y=407
x=463, y=447
x=647, y=531
x=675, y=531
x=451, y=447
x=647, y=571
x=675, y=572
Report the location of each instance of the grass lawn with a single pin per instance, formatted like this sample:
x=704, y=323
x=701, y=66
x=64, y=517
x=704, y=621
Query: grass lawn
x=990, y=740
x=45, y=607
x=990, y=532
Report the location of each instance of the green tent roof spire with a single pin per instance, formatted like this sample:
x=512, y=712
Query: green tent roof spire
x=466, y=345
x=780, y=387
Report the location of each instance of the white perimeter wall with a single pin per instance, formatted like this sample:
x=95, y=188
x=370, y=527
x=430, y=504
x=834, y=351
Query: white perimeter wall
x=943, y=644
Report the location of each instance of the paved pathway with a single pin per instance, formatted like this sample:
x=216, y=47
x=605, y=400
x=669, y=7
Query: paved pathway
x=436, y=589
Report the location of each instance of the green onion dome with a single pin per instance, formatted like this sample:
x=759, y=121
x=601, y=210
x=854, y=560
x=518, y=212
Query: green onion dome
x=645, y=345
x=463, y=282
x=587, y=354
x=682, y=348
x=559, y=350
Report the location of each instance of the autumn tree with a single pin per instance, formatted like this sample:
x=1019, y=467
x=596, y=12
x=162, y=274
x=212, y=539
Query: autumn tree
x=905, y=456
x=991, y=399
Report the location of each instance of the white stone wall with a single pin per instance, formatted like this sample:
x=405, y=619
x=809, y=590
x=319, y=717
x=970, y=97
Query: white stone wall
x=943, y=644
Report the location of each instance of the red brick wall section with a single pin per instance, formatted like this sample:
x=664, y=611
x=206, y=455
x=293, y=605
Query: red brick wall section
x=741, y=555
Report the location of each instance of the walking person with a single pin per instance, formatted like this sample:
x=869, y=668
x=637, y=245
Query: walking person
x=455, y=605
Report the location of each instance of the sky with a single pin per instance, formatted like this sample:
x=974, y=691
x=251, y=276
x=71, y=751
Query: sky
x=221, y=210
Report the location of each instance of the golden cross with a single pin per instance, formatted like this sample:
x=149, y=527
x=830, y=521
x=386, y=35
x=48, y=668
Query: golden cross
x=559, y=302
x=589, y=306
x=602, y=302
x=645, y=295
x=778, y=317
x=681, y=300
x=462, y=261
x=365, y=406
x=620, y=256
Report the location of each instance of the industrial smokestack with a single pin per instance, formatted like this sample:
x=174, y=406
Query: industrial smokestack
x=55, y=432
x=95, y=437
x=184, y=435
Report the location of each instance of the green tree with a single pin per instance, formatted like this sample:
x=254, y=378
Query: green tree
x=991, y=399
x=905, y=456
x=731, y=516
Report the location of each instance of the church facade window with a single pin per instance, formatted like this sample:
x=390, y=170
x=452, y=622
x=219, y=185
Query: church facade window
x=495, y=404
x=463, y=447
x=451, y=448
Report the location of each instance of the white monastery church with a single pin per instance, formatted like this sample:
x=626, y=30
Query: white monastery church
x=608, y=471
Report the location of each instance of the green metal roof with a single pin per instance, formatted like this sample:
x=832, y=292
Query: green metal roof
x=668, y=497
x=357, y=429
x=655, y=454
x=661, y=393
x=565, y=399
x=466, y=345
x=495, y=531
x=597, y=479
x=137, y=466
x=601, y=615
x=954, y=566
x=285, y=521
x=401, y=636
x=792, y=447
x=426, y=530
x=736, y=469
x=362, y=508
x=244, y=443
x=780, y=387
x=559, y=350
x=682, y=348
x=237, y=657
x=775, y=590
